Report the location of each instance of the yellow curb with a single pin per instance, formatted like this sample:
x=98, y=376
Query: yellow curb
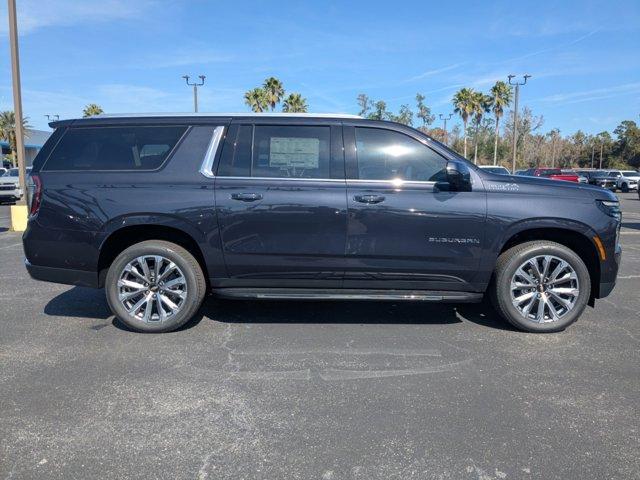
x=19, y=214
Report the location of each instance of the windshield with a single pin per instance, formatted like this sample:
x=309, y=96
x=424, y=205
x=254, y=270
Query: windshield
x=630, y=173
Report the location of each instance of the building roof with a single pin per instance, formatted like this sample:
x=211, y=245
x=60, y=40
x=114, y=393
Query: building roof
x=34, y=138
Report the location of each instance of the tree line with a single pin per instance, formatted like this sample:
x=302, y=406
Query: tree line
x=486, y=137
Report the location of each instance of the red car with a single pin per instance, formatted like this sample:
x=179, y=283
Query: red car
x=553, y=173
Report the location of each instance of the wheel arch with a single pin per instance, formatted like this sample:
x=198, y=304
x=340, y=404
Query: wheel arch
x=578, y=240
x=121, y=238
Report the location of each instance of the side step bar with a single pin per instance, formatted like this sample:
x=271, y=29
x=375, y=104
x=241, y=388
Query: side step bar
x=347, y=294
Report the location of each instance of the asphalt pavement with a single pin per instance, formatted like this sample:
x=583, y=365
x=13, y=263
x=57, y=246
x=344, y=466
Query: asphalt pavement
x=302, y=390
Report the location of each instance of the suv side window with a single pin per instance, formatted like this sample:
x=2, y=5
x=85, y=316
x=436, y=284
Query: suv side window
x=114, y=148
x=388, y=155
x=291, y=151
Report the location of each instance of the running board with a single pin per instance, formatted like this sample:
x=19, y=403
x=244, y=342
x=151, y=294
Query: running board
x=347, y=294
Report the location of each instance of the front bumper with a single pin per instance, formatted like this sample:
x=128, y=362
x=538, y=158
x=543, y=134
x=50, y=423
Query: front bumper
x=609, y=280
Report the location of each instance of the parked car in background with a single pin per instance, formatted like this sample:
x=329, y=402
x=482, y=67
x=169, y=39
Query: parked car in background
x=602, y=179
x=625, y=179
x=495, y=169
x=581, y=178
x=552, y=173
x=2, y=171
x=10, y=190
x=160, y=210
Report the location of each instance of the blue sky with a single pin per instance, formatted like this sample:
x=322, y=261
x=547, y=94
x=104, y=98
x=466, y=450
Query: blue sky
x=129, y=55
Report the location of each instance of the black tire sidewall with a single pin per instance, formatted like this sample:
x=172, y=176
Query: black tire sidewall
x=503, y=286
x=192, y=302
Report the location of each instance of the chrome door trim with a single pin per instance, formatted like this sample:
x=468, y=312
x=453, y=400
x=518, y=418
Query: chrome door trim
x=207, y=164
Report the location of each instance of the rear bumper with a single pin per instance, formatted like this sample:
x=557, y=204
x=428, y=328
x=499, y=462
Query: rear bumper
x=62, y=275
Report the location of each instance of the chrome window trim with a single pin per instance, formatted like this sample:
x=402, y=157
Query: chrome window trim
x=341, y=180
x=207, y=164
x=392, y=183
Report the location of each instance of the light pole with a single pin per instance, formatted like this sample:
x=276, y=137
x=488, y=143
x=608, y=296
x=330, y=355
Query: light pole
x=601, y=147
x=515, y=114
x=593, y=151
x=17, y=99
x=444, y=119
x=195, y=86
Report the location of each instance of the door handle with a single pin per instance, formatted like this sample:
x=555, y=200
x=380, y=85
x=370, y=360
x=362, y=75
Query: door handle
x=369, y=198
x=246, y=197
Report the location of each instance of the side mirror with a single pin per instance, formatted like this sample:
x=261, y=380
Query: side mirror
x=458, y=177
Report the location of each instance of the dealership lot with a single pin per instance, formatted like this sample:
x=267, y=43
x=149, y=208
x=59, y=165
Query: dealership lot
x=316, y=390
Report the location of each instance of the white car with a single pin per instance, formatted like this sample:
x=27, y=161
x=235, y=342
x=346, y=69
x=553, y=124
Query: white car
x=10, y=190
x=625, y=179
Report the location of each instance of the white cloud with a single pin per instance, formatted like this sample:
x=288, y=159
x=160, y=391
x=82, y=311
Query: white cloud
x=36, y=14
x=430, y=73
x=593, y=94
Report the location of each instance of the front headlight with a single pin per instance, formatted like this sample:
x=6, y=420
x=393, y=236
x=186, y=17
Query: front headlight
x=611, y=208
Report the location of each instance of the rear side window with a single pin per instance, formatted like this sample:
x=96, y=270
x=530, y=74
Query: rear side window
x=388, y=155
x=114, y=148
x=291, y=151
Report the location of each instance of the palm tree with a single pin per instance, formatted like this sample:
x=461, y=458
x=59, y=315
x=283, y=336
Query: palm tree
x=295, y=103
x=481, y=105
x=91, y=110
x=8, y=131
x=274, y=91
x=463, y=106
x=501, y=95
x=256, y=100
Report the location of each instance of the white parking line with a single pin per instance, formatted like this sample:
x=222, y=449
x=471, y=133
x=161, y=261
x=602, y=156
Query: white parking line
x=12, y=245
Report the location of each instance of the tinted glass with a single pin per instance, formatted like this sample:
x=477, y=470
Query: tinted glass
x=387, y=155
x=291, y=151
x=236, y=156
x=114, y=148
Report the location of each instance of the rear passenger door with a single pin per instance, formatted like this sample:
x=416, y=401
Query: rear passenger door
x=281, y=204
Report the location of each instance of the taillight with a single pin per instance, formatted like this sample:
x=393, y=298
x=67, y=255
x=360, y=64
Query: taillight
x=35, y=196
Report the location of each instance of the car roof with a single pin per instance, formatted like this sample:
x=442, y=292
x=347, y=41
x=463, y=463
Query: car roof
x=191, y=117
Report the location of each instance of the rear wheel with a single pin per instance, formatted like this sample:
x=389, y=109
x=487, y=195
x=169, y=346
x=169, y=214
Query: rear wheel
x=625, y=187
x=155, y=286
x=541, y=286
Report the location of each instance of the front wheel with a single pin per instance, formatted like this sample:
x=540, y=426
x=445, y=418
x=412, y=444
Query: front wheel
x=155, y=286
x=625, y=188
x=541, y=286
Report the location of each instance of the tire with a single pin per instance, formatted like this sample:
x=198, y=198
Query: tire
x=177, y=266
x=510, y=262
x=625, y=188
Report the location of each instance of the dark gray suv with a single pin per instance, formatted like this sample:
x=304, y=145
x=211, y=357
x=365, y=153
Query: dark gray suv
x=162, y=209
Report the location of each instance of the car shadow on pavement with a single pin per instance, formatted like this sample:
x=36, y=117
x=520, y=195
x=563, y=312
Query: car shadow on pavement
x=349, y=312
x=80, y=302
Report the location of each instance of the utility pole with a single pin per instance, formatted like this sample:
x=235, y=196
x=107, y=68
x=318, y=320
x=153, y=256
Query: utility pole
x=195, y=86
x=553, y=150
x=601, y=147
x=444, y=119
x=515, y=114
x=593, y=151
x=17, y=109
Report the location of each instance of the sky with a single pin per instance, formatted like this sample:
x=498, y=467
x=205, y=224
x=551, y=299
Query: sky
x=130, y=55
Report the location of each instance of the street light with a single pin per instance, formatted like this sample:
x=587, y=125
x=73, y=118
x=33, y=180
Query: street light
x=515, y=114
x=195, y=86
x=19, y=213
x=444, y=119
x=54, y=117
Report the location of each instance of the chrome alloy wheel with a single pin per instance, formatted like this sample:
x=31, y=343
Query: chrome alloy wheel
x=544, y=289
x=152, y=288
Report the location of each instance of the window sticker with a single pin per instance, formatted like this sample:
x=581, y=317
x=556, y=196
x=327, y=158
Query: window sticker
x=294, y=152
